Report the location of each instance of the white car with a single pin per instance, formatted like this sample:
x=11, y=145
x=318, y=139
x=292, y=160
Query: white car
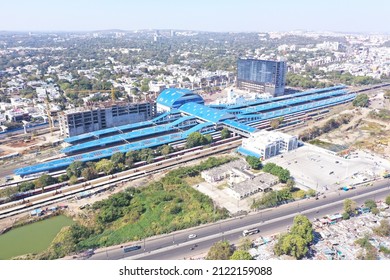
x=191, y=236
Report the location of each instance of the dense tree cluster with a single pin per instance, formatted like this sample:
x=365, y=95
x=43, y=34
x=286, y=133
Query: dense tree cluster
x=225, y=133
x=198, y=139
x=296, y=243
x=372, y=205
x=106, y=166
x=89, y=173
x=43, y=181
x=79, y=232
x=221, y=250
x=314, y=78
x=254, y=162
x=118, y=162
x=282, y=173
x=349, y=208
x=241, y=255
x=26, y=186
x=114, y=208
x=349, y=79
x=273, y=198
x=75, y=169
x=304, y=81
x=361, y=100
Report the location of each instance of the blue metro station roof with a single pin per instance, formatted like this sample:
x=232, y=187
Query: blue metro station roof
x=174, y=97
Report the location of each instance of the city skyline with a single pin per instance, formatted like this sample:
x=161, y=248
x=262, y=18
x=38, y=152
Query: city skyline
x=227, y=16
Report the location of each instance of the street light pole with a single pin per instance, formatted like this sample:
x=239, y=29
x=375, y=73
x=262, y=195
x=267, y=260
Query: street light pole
x=220, y=229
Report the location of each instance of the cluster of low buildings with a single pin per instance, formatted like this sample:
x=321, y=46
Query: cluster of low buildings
x=20, y=110
x=359, y=55
x=224, y=171
x=241, y=182
x=334, y=238
x=173, y=75
x=241, y=189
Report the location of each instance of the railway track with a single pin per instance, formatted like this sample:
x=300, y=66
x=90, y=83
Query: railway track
x=12, y=208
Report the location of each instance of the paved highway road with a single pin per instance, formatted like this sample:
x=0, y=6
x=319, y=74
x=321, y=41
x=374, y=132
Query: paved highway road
x=177, y=245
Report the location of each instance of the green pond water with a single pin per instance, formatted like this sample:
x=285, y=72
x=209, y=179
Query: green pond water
x=32, y=238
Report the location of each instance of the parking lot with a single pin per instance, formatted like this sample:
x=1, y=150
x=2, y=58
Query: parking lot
x=322, y=170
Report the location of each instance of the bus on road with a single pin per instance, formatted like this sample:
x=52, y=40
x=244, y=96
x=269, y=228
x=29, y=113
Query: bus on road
x=131, y=248
x=250, y=231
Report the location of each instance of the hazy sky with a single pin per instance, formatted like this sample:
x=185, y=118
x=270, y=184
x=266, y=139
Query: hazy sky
x=206, y=15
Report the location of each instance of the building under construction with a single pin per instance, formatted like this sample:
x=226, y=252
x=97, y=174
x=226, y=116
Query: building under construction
x=104, y=115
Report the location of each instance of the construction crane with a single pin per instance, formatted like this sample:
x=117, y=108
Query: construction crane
x=48, y=112
x=113, y=97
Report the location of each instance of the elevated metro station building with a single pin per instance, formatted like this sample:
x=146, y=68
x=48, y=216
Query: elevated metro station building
x=174, y=98
x=265, y=144
x=182, y=112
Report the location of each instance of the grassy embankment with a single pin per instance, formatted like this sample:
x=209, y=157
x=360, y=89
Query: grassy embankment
x=161, y=207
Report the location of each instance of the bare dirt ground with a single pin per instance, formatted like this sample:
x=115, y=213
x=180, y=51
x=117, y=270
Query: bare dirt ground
x=362, y=132
x=31, y=150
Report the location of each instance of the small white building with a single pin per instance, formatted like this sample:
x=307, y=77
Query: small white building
x=263, y=182
x=156, y=87
x=266, y=144
x=17, y=115
x=224, y=171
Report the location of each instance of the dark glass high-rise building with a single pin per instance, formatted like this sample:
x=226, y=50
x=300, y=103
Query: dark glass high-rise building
x=261, y=75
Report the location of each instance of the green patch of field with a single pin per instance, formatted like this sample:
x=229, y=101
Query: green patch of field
x=372, y=127
x=191, y=181
x=162, y=206
x=328, y=145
